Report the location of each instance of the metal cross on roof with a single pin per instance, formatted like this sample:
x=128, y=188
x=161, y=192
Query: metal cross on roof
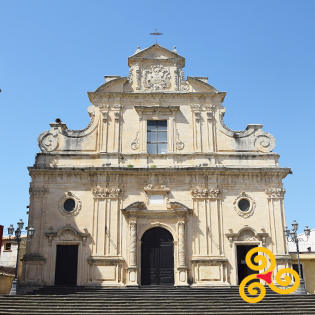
x=156, y=33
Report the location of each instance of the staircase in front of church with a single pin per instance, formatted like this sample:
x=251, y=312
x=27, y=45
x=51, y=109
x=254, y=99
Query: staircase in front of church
x=151, y=300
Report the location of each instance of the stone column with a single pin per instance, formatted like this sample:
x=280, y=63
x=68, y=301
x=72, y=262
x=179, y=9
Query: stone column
x=182, y=269
x=132, y=279
x=133, y=244
x=181, y=244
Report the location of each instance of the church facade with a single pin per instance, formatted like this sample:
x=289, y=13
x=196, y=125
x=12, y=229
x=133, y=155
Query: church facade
x=156, y=190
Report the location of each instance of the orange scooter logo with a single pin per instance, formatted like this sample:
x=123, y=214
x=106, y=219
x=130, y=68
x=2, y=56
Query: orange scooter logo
x=267, y=276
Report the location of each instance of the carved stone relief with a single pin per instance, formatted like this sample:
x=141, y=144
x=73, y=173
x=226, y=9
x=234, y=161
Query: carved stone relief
x=205, y=193
x=38, y=191
x=275, y=192
x=184, y=85
x=130, y=78
x=157, y=78
x=135, y=142
x=99, y=192
x=104, y=109
x=179, y=144
x=68, y=235
x=247, y=235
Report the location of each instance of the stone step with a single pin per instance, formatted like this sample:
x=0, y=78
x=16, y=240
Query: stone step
x=151, y=300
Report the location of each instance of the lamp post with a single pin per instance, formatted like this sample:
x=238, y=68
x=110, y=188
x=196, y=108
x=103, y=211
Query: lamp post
x=301, y=289
x=18, y=238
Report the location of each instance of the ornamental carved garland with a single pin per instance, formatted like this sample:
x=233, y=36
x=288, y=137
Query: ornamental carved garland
x=205, y=193
x=99, y=192
x=157, y=78
x=275, y=192
x=38, y=191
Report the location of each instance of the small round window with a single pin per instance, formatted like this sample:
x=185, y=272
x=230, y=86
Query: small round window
x=69, y=205
x=244, y=205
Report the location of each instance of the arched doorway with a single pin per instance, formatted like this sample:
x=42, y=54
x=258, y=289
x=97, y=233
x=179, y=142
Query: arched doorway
x=157, y=257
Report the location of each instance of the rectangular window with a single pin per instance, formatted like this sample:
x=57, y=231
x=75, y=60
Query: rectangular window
x=157, y=136
x=7, y=246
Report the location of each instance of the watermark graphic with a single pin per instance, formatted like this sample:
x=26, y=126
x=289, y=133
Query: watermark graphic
x=267, y=277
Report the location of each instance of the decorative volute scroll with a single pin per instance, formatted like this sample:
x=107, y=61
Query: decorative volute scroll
x=275, y=192
x=247, y=234
x=199, y=193
x=59, y=137
x=67, y=234
x=106, y=192
x=251, y=139
x=135, y=143
x=179, y=144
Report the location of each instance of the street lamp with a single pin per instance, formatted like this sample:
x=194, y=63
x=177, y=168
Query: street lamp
x=18, y=238
x=301, y=289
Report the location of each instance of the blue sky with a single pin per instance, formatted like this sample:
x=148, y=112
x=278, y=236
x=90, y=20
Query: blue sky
x=260, y=52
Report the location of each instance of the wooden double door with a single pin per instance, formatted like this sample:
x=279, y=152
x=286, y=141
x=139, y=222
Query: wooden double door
x=157, y=257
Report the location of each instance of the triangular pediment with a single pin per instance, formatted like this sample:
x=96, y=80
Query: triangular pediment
x=156, y=52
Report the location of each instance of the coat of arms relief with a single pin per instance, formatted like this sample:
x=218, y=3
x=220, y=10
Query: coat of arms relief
x=157, y=78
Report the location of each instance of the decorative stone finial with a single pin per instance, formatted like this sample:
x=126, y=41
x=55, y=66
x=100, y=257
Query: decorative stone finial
x=174, y=50
x=138, y=49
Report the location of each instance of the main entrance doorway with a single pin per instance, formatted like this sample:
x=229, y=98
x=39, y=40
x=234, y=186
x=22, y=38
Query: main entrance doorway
x=157, y=257
x=243, y=269
x=66, y=265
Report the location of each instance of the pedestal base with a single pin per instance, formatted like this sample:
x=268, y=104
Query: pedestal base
x=182, y=277
x=15, y=287
x=301, y=288
x=132, y=277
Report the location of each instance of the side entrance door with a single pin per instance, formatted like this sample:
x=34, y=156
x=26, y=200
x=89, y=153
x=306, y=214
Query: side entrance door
x=66, y=265
x=157, y=257
x=243, y=269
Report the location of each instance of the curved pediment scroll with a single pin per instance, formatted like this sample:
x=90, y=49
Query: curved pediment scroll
x=59, y=137
x=252, y=139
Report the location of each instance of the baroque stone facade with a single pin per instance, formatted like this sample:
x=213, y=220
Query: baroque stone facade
x=156, y=154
